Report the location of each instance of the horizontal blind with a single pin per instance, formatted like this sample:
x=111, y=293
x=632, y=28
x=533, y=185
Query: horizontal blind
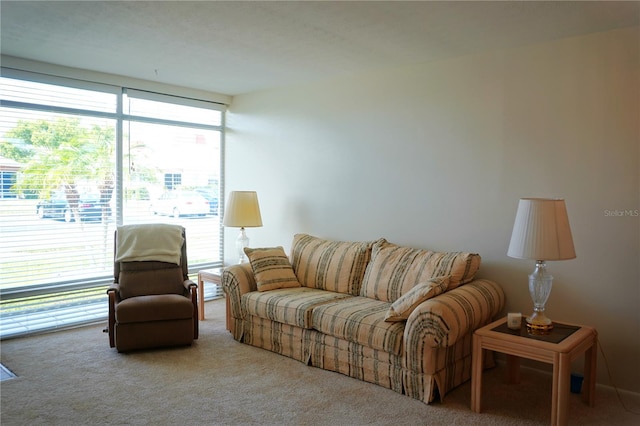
x=64, y=190
x=171, y=172
x=54, y=166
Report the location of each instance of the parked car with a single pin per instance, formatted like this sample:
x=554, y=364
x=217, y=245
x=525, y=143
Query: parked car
x=181, y=203
x=211, y=197
x=57, y=207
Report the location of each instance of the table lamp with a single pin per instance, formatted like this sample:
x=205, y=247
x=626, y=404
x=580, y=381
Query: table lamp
x=242, y=211
x=541, y=232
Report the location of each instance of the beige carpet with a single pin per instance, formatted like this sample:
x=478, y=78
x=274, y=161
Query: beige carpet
x=73, y=378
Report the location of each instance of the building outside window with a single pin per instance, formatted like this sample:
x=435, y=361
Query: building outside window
x=81, y=159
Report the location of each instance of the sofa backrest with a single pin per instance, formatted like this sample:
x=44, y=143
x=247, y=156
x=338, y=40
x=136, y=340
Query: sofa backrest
x=330, y=265
x=394, y=270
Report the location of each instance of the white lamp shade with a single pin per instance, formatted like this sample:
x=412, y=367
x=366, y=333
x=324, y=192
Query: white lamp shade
x=541, y=231
x=242, y=210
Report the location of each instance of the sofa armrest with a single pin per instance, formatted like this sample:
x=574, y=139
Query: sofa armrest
x=236, y=281
x=444, y=319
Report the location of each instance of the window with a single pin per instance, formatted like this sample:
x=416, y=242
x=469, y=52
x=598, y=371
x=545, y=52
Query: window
x=79, y=159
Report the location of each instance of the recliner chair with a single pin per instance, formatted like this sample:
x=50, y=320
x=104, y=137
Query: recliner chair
x=152, y=301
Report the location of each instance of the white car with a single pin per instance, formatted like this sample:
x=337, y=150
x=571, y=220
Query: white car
x=181, y=203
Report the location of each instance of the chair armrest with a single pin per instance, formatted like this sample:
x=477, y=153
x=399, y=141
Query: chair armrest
x=113, y=293
x=191, y=290
x=236, y=281
x=114, y=289
x=444, y=319
x=189, y=284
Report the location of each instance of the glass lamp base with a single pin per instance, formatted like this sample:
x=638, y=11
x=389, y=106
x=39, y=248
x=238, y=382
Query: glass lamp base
x=538, y=323
x=540, y=283
x=241, y=242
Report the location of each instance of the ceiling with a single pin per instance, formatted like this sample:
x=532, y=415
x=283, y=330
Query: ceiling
x=242, y=46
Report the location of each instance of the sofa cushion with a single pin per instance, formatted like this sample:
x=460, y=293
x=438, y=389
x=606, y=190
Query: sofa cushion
x=360, y=320
x=394, y=270
x=149, y=278
x=330, y=265
x=271, y=268
x=402, y=308
x=291, y=306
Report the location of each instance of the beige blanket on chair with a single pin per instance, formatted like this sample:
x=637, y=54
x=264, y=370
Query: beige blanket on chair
x=161, y=242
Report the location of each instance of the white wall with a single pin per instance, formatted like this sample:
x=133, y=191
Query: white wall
x=437, y=155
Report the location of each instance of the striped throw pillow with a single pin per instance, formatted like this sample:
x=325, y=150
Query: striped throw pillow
x=271, y=268
x=402, y=308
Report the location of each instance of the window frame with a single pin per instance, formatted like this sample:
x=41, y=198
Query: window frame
x=67, y=285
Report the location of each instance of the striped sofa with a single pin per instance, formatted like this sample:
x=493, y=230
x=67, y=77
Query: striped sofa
x=399, y=317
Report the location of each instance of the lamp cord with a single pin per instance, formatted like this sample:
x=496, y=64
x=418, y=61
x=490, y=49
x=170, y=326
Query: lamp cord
x=606, y=364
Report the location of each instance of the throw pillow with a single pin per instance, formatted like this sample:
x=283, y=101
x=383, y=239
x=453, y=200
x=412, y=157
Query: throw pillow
x=402, y=308
x=271, y=268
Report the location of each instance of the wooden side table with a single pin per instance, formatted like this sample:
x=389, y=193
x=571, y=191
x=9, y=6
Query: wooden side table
x=209, y=275
x=561, y=347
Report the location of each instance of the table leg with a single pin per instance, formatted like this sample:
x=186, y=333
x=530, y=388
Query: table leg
x=513, y=369
x=561, y=380
x=476, y=374
x=554, y=389
x=228, y=318
x=589, y=384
